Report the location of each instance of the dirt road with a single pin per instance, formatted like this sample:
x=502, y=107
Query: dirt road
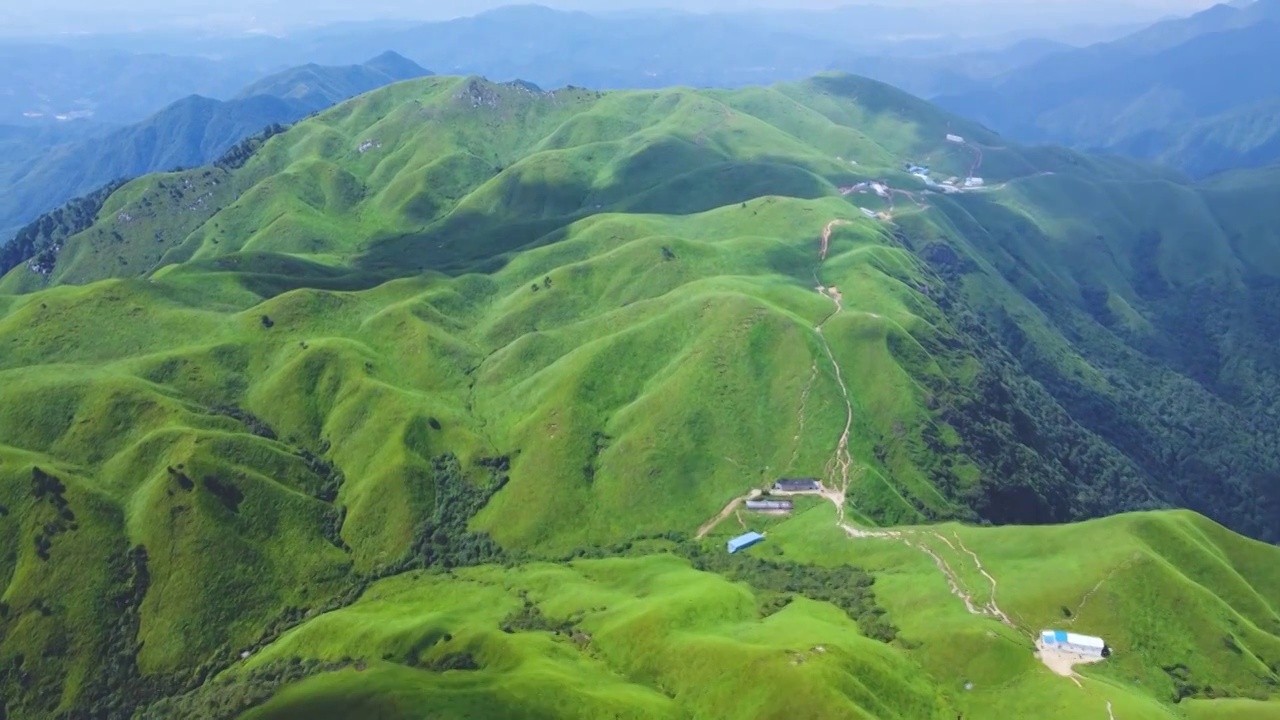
x=840, y=469
x=728, y=510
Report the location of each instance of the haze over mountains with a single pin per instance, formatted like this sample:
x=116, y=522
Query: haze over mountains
x=84, y=111
x=190, y=132
x=283, y=16
x=1194, y=93
x=449, y=396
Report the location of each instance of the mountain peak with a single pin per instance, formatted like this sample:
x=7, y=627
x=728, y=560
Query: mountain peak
x=1262, y=9
x=397, y=66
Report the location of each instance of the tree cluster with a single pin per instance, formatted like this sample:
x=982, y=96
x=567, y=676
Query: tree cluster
x=844, y=586
x=243, y=151
x=39, y=242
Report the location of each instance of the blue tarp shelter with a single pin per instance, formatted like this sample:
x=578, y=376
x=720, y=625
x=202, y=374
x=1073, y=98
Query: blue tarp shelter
x=744, y=541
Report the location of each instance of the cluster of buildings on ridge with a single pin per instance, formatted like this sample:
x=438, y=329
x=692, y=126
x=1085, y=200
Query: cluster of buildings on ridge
x=1070, y=643
x=773, y=505
x=950, y=185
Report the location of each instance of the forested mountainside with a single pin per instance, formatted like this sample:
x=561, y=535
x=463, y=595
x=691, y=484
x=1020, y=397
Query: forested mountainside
x=190, y=132
x=1187, y=92
x=544, y=336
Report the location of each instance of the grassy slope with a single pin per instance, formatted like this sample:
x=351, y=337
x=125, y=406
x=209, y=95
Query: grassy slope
x=189, y=132
x=661, y=639
x=1166, y=591
x=664, y=232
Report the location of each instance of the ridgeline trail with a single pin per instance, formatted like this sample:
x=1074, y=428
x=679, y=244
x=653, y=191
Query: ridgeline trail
x=835, y=487
x=839, y=475
x=841, y=462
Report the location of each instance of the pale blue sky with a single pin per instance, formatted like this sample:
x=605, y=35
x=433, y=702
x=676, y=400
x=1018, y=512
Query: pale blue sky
x=272, y=14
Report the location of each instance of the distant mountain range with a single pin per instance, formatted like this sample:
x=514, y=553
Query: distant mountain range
x=41, y=83
x=122, y=78
x=190, y=132
x=1197, y=93
x=949, y=74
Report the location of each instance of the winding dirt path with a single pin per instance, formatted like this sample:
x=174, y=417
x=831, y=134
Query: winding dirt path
x=977, y=162
x=841, y=462
x=804, y=404
x=724, y=120
x=992, y=606
x=826, y=237
x=1084, y=600
x=839, y=469
x=728, y=510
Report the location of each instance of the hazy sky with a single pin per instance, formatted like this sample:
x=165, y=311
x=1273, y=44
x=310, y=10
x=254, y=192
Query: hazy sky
x=113, y=15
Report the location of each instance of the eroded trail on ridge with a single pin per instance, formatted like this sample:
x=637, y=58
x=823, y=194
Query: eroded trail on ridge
x=841, y=462
x=804, y=403
x=919, y=540
x=838, y=476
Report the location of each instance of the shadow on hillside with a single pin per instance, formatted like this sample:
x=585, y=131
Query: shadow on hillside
x=270, y=274
x=668, y=178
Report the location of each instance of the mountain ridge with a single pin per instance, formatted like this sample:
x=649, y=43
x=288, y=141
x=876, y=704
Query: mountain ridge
x=190, y=132
x=450, y=373
x=1180, y=80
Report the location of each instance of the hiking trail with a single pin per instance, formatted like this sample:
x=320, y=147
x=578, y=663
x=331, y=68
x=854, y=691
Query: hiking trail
x=728, y=510
x=725, y=119
x=804, y=403
x=839, y=468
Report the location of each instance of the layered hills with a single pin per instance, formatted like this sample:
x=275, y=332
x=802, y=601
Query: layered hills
x=43, y=172
x=1188, y=92
x=438, y=393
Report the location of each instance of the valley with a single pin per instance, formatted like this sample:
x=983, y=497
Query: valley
x=452, y=394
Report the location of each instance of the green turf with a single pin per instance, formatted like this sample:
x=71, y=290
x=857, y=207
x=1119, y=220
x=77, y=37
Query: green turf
x=650, y=638
x=608, y=302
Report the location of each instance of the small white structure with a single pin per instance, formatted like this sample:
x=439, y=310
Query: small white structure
x=1068, y=642
x=954, y=138
x=974, y=182
x=770, y=505
x=869, y=213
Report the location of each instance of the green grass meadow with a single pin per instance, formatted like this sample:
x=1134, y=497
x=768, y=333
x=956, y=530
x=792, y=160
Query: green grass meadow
x=229, y=413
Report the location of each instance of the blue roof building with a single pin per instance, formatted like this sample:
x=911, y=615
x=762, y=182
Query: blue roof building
x=1073, y=643
x=744, y=541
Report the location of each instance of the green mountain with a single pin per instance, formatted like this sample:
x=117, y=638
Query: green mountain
x=1185, y=92
x=191, y=132
x=442, y=399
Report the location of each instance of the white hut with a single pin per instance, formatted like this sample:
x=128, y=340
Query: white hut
x=1068, y=642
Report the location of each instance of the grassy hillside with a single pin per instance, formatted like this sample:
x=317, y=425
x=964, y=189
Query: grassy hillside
x=455, y=324
x=1186, y=604
x=190, y=132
